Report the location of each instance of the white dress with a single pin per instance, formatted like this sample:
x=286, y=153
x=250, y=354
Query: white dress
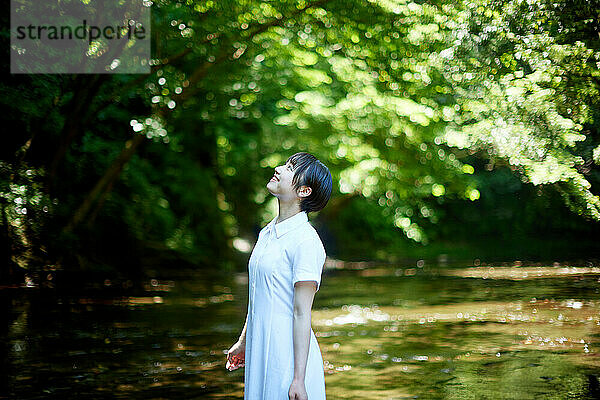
x=284, y=254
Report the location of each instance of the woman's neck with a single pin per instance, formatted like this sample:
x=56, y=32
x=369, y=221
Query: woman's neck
x=287, y=210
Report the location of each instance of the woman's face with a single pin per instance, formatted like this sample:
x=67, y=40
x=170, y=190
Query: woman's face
x=280, y=184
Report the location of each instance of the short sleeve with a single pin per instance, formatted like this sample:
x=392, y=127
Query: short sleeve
x=308, y=261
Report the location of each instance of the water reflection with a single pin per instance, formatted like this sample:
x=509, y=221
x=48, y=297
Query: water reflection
x=402, y=331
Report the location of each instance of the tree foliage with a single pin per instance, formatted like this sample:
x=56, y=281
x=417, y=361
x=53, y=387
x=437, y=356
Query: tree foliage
x=391, y=95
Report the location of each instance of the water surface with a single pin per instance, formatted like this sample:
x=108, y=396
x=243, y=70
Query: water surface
x=386, y=332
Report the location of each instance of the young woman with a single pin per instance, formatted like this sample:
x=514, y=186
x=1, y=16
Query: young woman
x=277, y=346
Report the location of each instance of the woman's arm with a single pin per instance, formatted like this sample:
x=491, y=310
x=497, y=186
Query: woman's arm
x=304, y=292
x=242, y=338
x=236, y=355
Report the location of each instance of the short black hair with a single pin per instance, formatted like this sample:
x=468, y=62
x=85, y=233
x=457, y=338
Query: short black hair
x=309, y=171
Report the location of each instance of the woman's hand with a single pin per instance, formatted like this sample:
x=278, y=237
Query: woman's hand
x=236, y=356
x=297, y=391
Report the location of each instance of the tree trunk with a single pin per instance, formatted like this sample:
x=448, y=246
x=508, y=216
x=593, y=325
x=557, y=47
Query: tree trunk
x=6, y=270
x=77, y=113
x=105, y=183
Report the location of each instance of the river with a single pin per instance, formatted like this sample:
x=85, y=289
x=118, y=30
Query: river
x=406, y=331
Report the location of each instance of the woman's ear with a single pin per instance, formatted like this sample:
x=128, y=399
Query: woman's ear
x=304, y=191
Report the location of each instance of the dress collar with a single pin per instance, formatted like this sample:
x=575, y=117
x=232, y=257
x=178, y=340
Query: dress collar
x=289, y=224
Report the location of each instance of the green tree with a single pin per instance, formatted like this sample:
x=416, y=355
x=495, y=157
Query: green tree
x=393, y=95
